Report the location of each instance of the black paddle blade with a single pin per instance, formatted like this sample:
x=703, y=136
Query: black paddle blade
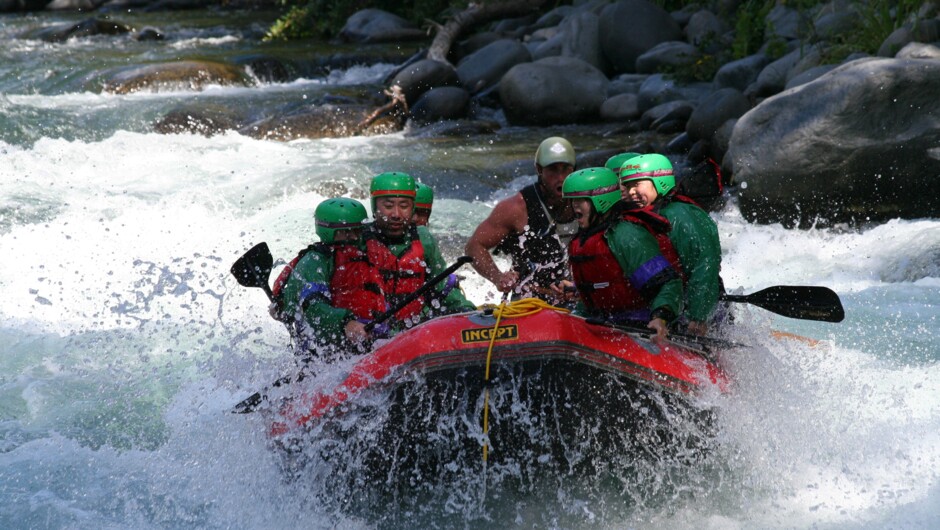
x=794, y=301
x=248, y=404
x=254, y=268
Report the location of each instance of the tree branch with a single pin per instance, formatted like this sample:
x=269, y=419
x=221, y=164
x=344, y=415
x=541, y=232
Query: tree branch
x=473, y=15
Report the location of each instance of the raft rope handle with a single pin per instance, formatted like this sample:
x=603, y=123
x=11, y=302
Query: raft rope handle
x=519, y=308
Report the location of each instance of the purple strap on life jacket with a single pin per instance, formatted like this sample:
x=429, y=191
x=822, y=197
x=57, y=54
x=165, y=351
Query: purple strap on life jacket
x=314, y=289
x=648, y=270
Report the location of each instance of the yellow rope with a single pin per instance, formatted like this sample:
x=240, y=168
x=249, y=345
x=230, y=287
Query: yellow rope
x=517, y=309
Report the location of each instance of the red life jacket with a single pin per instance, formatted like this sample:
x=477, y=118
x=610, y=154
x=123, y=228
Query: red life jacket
x=399, y=276
x=659, y=227
x=355, y=284
x=600, y=279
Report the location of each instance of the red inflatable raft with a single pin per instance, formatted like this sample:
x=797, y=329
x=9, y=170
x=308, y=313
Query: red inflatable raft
x=444, y=347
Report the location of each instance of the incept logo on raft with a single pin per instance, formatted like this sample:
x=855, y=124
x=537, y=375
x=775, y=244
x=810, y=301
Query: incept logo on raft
x=468, y=336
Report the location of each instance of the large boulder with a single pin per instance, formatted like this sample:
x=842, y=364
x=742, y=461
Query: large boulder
x=774, y=76
x=12, y=6
x=629, y=28
x=667, y=56
x=921, y=31
x=622, y=107
x=553, y=90
x=200, y=118
x=376, y=25
x=576, y=37
x=658, y=89
x=719, y=107
x=916, y=50
x=323, y=121
x=786, y=22
x=419, y=77
x=484, y=67
x=707, y=31
x=437, y=104
x=858, y=144
x=741, y=73
x=190, y=75
x=86, y=28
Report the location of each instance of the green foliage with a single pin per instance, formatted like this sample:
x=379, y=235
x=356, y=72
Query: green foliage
x=749, y=27
x=878, y=19
x=324, y=18
x=295, y=24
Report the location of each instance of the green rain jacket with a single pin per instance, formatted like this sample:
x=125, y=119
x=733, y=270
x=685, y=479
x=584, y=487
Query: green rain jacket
x=694, y=235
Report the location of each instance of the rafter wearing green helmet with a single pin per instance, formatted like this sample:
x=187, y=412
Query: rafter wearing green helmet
x=553, y=150
x=339, y=219
x=393, y=201
x=598, y=184
x=653, y=167
x=313, y=292
x=424, y=200
x=615, y=162
x=391, y=184
x=649, y=183
x=616, y=263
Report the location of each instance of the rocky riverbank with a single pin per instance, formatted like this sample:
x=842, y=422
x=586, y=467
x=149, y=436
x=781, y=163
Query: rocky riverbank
x=801, y=137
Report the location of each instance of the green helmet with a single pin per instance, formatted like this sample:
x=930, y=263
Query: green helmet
x=392, y=184
x=613, y=163
x=597, y=183
x=653, y=167
x=553, y=150
x=338, y=214
x=424, y=196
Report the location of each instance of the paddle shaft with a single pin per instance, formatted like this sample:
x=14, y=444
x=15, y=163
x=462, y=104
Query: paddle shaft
x=640, y=329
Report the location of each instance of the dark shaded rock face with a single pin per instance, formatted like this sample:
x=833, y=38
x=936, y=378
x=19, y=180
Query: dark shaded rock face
x=487, y=65
x=859, y=144
x=648, y=26
x=12, y=6
x=553, y=90
x=375, y=25
x=325, y=121
x=206, y=120
x=85, y=28
x=423, y=75
x=437, y=104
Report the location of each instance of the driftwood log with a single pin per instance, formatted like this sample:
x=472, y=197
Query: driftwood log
x=476, y=13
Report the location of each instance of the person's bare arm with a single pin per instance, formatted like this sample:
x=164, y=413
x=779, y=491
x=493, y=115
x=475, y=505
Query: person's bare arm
x=507, y=217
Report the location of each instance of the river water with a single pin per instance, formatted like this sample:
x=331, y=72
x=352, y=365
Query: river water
x=125, y=341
